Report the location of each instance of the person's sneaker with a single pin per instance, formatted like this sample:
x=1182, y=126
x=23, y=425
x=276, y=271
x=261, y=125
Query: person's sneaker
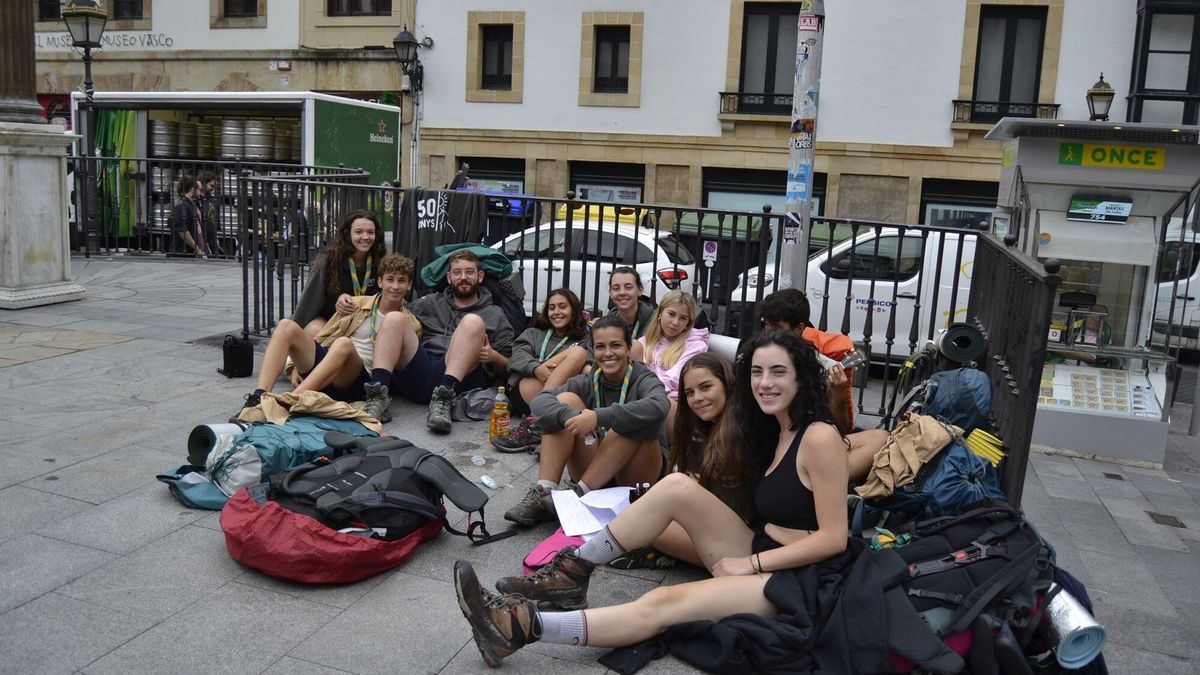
x=252, y=400
x=562, y=584
x=524, y=438
x=536, y=507
x=440, y=404
x=645, y=557
x=377, y=401
x=500, y=624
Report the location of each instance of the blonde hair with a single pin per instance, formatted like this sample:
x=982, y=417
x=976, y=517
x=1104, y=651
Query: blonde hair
x=654, y=331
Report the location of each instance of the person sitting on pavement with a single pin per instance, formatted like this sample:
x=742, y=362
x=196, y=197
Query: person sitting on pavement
x=339, y=360
x=545, y=356
x=796, y=454
x=344, y=271
x=600, y=427
x=788, y=309
x=625, y=292
x=466, y=342
x=671, y=339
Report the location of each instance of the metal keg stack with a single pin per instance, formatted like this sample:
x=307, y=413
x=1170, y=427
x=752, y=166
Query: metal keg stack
x=204, y=141
x=187, y=140
x=232, y=139
x=259, y=140
x=283, y=141
x=164, y=135
x=296, y=141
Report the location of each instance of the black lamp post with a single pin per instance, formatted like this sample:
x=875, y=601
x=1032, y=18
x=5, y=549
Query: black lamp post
x=406, y=45
x=1099, y=100
x=85, y=21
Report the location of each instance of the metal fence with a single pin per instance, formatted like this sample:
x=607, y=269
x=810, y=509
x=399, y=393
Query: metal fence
x=1011, y=300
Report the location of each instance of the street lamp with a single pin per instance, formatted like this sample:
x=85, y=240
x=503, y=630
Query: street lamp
x=85, y=21
x=406, y=44
x=1099, y=100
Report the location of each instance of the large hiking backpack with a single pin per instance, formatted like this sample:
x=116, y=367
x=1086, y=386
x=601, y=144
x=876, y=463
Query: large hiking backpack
x=962, y=397
x=988, y=559
x=388, y=496
x=509, y=296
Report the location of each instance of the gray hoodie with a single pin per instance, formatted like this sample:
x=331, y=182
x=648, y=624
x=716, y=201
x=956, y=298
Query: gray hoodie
x=526, y=350
x=642, y=418
x=645, y=311
x=439, y=317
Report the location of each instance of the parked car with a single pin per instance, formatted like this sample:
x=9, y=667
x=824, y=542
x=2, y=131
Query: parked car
x=579, y=254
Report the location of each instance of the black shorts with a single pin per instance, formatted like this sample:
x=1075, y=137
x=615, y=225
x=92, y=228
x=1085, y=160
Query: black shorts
x=354, y=392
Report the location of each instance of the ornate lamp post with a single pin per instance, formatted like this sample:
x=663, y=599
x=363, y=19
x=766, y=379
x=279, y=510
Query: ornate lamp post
x=1099, y=100
x=406, y=45
x=85, y=21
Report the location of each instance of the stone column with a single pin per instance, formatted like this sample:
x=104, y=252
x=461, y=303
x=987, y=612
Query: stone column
x=18, y=91
x=35, y=261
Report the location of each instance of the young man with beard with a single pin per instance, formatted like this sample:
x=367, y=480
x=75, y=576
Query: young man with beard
x=465, y=343
x=338, y=361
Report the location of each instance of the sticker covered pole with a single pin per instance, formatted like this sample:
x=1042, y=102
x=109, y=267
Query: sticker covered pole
x=797, y=225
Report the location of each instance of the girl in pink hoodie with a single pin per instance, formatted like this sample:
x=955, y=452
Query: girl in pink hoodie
x=671, y=339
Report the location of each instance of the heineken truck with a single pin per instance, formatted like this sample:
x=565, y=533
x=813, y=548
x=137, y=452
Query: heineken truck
x=148, y=140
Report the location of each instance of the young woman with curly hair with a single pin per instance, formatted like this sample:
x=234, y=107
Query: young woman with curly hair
x=346, y=269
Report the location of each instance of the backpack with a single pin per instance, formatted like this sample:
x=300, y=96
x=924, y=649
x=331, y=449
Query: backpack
x=947, y=485
x=387, y=494
x=962, y=397
x=509, y=296
x=987, y=559
x=237, y=357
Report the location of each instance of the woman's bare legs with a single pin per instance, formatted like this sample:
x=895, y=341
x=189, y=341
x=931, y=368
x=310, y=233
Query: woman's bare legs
x=312, y=328
x=863, y=446
x=675, y=542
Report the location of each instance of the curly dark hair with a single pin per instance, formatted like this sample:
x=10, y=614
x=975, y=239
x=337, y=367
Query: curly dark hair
x=758, y=432
x=577, y=328
x=339, y=250
x=789, y=306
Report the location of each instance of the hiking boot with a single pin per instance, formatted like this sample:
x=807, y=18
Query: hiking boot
x=252, y=400
x=524, y=438
x=562, y=584
x=536, y=507
x=500, y=624
x=645, y=557
x=377, y=401
x=440, y=404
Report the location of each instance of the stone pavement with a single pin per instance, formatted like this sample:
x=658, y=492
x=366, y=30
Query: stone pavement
x=102, y=571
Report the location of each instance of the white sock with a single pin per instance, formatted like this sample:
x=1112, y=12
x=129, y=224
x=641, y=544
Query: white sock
x=548, y=484
x=582, y=488
x=601, y=548
x=564, y=628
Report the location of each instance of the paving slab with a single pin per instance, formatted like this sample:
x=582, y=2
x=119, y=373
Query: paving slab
x=57, y=634
x=33, y=565
x=106, y=476
x=28, y=510
x=127, y=523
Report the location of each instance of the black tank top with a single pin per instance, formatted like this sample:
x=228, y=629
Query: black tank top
x=780, y=498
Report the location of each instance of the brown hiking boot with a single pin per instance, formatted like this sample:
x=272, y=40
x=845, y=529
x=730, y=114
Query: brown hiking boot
x=562, y=584
x=501, y=624
x=537, y=506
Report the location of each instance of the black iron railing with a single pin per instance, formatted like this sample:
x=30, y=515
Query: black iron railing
x=740, y=102
x=991, y=111
x=1012, y=296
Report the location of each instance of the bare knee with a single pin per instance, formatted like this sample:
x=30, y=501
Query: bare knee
x=395, y=323
x=660, y=606
x=472, y=324
x=341, y=346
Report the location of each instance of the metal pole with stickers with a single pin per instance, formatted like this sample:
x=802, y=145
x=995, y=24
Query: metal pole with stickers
x=801, y=145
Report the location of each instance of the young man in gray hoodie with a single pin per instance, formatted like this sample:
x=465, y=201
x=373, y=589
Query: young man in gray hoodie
x=465, y=342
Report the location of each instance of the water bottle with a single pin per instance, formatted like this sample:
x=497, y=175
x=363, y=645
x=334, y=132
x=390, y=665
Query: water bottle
x=498, y=423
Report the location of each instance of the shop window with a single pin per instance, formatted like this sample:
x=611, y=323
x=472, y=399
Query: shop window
x=608, y=181
x=49, y=10
x=497, y=57
x=359, y=8
x=1167, y=66
x=126, y=10
x=882, y=259
x=239, y=9
x=768, y=58
x=1008, y=62
x=958, y=203
x=612, y=60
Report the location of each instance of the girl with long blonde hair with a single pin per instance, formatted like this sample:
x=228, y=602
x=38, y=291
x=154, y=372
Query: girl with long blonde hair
x=671, y=339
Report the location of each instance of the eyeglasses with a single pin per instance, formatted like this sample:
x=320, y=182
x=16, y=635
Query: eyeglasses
x=462, y=274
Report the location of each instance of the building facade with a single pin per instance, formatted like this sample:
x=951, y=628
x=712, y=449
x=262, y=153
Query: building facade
x=679, y=101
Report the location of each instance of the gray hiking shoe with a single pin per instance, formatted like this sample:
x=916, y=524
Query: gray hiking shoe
x=252, y=400
x=501, y=624
x=376, y=401
x=536, y=507
x=439, y=409
x=562, y=584
x=525, y=438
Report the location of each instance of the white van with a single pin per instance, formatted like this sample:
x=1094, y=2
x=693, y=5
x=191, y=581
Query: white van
x=1181, y=253
x=903, y=269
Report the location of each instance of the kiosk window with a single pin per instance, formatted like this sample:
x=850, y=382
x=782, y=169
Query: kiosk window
x=887, y=262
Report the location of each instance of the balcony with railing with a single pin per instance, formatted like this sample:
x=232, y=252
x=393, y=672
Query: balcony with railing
x=747, y=103
x=988, y=112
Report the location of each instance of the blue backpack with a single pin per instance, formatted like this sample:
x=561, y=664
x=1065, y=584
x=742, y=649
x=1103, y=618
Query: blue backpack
x=962, y=397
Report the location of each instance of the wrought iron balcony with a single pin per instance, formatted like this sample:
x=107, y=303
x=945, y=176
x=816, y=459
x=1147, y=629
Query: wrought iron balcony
x=992, y=111
x=733, y=102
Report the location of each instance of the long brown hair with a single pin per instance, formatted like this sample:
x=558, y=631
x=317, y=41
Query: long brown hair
x=577, y=328
x=709, y=450
x=338, y=251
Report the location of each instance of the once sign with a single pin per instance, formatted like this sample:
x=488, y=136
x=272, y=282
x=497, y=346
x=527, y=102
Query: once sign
x=1112, y=156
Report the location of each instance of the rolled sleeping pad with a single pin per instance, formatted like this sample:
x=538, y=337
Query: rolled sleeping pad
x=1075, y=634
x=960, y=343
x=207, y=437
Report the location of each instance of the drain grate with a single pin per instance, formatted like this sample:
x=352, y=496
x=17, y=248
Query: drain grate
x=1164, y=519
x=1114, y=476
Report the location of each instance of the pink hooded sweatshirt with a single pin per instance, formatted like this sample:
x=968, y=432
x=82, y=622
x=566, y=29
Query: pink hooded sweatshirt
x=697, y=343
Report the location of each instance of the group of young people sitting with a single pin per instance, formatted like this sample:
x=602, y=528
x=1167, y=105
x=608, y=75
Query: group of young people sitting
x=749, y=462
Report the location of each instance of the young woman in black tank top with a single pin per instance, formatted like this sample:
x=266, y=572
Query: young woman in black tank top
x=779, y=396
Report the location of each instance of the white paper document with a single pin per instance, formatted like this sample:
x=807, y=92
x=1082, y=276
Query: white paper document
x=583, y=516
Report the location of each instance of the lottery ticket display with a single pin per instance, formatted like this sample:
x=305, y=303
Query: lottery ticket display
x=1098, y=390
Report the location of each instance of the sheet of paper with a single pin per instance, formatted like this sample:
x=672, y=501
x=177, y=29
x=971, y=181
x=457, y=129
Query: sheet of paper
x=613, y=499
x=575, y=517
